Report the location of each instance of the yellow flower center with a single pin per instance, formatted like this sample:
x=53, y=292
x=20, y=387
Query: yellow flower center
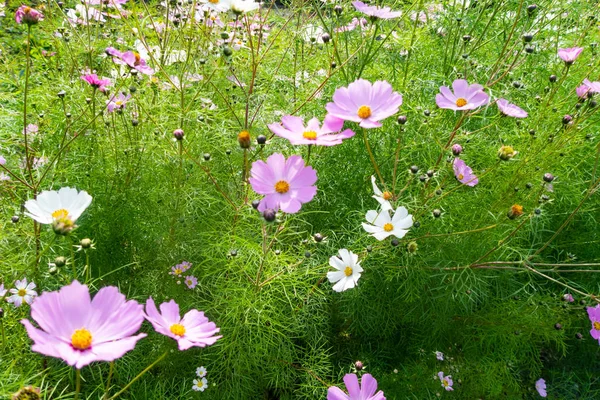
x=387, y=195
x=214, y=1
x=364, y=112
x=244, y=135
x=60, y=214
x=446, y=383
x=177, y=271
x=310, y=135
x=597, y=325
x=81, y=339
x=27, y=10
x=348, y=271
x=460, y=102
x=21, y=292
x=178, y=329
x=282, y=187
x=119, y=102
x=388, y=227
x=460, y=177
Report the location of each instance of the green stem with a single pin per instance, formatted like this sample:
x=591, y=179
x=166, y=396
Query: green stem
x=88, y=268
x=308, y=155
x=3, y=334
x=140, y=375
x=77, y=383
x=372, y=157
x=73, y=261
x=110, y=374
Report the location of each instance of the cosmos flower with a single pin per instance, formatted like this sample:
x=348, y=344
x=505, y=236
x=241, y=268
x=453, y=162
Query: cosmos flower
x=383, y=198
x=193, y=330
x=31, y=129
x=439, y=355
x=179, y=269
x=286, y=184
x=465, y=96
x=201, y=372
x=568, y=297
x=352, y=25
x=540, y=386
x=587, y=89
x=2, y=290
x=347, y=272
x=22, y=293
x=594, y=316
x=28, y=15
x=464, y=173
x=80, y=330
x=63, y=206
x=131, y=59
x=82, y=15
x=242, y=6
x=569, y=55
x=356, y=391
x=381, y=225
x=96, y=82
x=365, y=102
x=376, y=12
x=293, y=129
x=191, y=281
x=200, y=385
x=117, y=102
x=446, y=381
x=510, y=109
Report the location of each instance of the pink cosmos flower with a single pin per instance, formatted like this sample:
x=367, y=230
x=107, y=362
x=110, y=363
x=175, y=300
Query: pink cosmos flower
x=285, y=184
x=96, y=82
x=510, y=110
x=130, y=58
x=117, y=102
x=587, y=89
x=569, y=55
x=80, y=330
x=31, y=129
x=193, y=330
x=191, y=281
x=293, y=129
x=28, y=15
x=464, y=173
x=446, y=381
x=355, y=391
x=376, y=12
x=2, y=290
x=465, y=96
x=179, y=269
x=540, y=386
x=594, y=315
x=352, y=25
x=365, y=102
x=22, y=293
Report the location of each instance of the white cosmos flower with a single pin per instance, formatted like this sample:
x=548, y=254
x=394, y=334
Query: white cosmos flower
x=382, y=225
x=243, y=6
x=347, y=270
x=382, y=197
x=201, y=371
x=50, y=205
x=23, y=292
x=200, y=385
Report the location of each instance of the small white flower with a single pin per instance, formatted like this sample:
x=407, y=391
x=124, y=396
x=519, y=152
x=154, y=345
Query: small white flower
x=384, y=226
x=23, y=292
x=348, y=270
x=201, y=371
x=439, y=355
x=382, y=197
x=243, y=6
x=50, y=205
x=200, y=385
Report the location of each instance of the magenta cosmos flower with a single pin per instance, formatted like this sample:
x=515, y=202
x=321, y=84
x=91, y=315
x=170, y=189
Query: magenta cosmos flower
x=96, y=82
x=376, y=12
x=510, y=110
x=569, y=55
x=293, y=129
x=465, y=96
x=130, y=58
x=355, y=391
x=28, y=15
x=193, y=330
x=464, y=173
x=365, y=102
x=285, y=184
x=594, y=315
x=80, y=330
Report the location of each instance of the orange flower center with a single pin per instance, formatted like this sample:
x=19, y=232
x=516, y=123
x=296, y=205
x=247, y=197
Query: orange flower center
x=137, y=58
x=310, y=135
x=364, y=112
x=214, y=1
x=387, y=195
x=460, y=102
x=516, y=210
x=460, y=177
x=60, y=214
x=27, y=10
x=388, y=227
x=244, y=135
x=81, y=339
x=348, y=271
x=282, y=187
x=178, y=329
x=597, y=325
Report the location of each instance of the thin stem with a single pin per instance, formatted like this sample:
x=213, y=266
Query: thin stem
x=110, y=374
x=372, y=157
x=88, y=268
x=308, y=155
x=27, y=61
x=77, y=383
x=138, y=376
x=73, y=260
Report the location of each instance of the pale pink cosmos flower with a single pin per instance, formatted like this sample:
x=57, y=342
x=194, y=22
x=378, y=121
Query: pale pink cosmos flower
x=131, y=59
x=446, y=381
x=587, y=89
x=22, y=293
x=80, y=330
x=2, y=290
x=286, y=184
x=328, y=134
x=365, y=102
x=191, y=281
x=540, y=386
x=464, y=173
x=193, y=330
x=594, y=316
x=28, y=15
x=465, y=96
x=510, y=110
x=117, y=102
x=376, y=12
x=97, y=83
x=362, y=22
x=569, y=55
x=31, y=129
x=364, y=391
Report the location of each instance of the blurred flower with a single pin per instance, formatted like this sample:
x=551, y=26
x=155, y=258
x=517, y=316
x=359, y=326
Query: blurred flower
x=80, y=330
x=465, y=96
x=568, y=297
x=200, y=385
x=191, y=281
x=28, y=15
x=312, y=33
x=515, y=211
x=348, y=270
x=464, y=173
x=2, y=290
x=376, y=12
x=61, y=207
x=48, y=53
x=381, y=225
x=241, y=6
x=285, y=184
x=446, y=381
x=2, y=160
x=27, y=393
x=540, y=386
x=505, y=153
x=439, y=355
x=117, y=102
x=96, y=82
x=569, y=55
x=594, y=316
x=131, y=59
x=293, y=129
x=31, y=129
x=22, y=293
x=377, y=102
x=510, y=110
x=193, y=330
x=355, y=391
x=362, y=22
x=82, y=15
x=179, y=269
x=201, y=371
x=383, y=198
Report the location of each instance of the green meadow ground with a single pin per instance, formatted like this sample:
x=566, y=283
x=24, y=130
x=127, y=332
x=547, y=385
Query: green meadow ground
x=478, y=288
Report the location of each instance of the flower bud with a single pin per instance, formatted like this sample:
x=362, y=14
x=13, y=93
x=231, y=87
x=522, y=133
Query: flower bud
x=457, y=149
x=359, y=365
x=244, y=139
x=515, y=211
x=567, y=119
x=506, y=153
x=178, y=134
x=85, y=243
x=60, y=261
x=548, y=177
x=412, y=247
x=269, y=215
